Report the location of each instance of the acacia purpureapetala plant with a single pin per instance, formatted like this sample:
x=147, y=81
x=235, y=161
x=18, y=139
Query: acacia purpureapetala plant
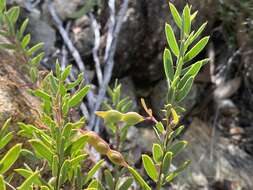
x=179, y=79
x=59, y=142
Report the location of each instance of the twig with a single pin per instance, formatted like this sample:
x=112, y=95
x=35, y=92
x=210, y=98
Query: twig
x=113, y=33
x=96, y=28
x=73, y=51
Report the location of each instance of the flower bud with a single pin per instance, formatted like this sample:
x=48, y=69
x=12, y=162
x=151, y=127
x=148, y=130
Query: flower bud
x=132, y=118
x=117, y=158
x=175, y=117
x=111, y=116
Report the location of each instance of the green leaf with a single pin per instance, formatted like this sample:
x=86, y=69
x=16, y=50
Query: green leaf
x=160, y=127
x=43, y=95
x=109, y=179
x=92, y=171
x=44, y=188
x=2, y=184
x=78, y=96
x=168, y=65
x=7, y=46
x=64, y=171
x=199, y=31
x=35, y=48
x=178, y=147
x=171, y=39
x=42, y=150
x=127, y=184
x=55, y=164
x=36, y=60
x=193, y=16
x=2, y=5
x=196, y=49
x=66, y=73
x=174, y=174
x=157, y=153
x=13, y=14
x=186, y=69
x=5, y=140
x=93, y=185
x=27, y=173
x=150, y=167
x=23, y=28
x=4, y=128
x=185, y=90
x=177, y=132
x=139, y=179
x=175, y=15
x=26, y=40
x=10, y=158
x=187, y=20
x=192, y=72
x=167, y=162
x=29, y=181
x=77, y=160
x=76, y=82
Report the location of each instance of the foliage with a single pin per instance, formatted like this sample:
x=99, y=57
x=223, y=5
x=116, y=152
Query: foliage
x=232, y=12
x=58, y=143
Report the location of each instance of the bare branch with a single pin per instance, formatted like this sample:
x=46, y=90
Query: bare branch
x=96, y=27
x=113, y=33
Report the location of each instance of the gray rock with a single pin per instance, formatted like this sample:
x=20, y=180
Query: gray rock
x=41, y=31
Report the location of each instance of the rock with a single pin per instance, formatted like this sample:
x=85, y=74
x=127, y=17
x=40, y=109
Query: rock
x=66, y=8
x=227, y=89
x=214, y=157
x=128, y=90
x=82, y=35
x=41, y=31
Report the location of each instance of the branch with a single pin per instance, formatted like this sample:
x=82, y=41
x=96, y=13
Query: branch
x=96, y=28
x=113, y=33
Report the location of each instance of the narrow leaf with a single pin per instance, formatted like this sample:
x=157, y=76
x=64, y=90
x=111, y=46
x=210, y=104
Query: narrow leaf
x=157, y=153
x=23, y=28
x=171, y=39
x=187, y=20
x=199, y=31
x=2, y=184
x=185, y=90
x=139, y=179
x=93, y=170
x=35, y=48
x=127, y=184
x=150, y=167
x=28, y=182
x=175, y=15
x=168, y=65
x=192, y=72
x=196, y=49
x=178, y=147
x=26, y=40
x=10, y=158
x=42, y=150
x=109, y=179
x=78, y=96
x=167, y=162
x=43, y=95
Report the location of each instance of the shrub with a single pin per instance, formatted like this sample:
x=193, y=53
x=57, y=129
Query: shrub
x=58, y=142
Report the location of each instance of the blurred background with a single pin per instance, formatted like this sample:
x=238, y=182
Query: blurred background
x=125, y=39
